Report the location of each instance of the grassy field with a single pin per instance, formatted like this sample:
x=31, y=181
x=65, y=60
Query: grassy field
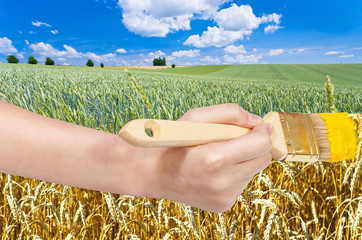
x=342, y=74
x=285, y=201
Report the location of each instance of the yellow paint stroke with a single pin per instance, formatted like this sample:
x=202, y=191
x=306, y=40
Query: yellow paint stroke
x=342, y=136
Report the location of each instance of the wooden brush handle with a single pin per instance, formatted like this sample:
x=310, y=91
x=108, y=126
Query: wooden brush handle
x=167, y=133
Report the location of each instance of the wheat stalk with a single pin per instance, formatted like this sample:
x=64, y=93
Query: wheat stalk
x=111, y=206
x=355, y=177
x=37, y=190
x=249, y=234
x=304, y=227
x=340, y=229
x=262, y=216
x=330, y=95
x=233, y=227
x=280, y=228
x=82, y=213
x=245, y=203
x=314, y=211
x=321, y=237
x=268, y=203
x=192, y=219
x=348, y=173
x=269, y=225
x=357, y=219
x=288, y=170
x=287, y=194
x=266, y=179
x=13, y=207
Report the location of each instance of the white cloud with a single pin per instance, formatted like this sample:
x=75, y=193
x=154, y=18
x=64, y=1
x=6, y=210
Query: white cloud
x=157, y=18
x=153, y=55
x=150, y=26
x=271, y=28
x=294, y=50
x=6, y=46
x=47, y=50
x=157, y=54
x=334, y=52
x=170, y=58
x=235, y=49
x=39, y=24
x=121, y=50
x=275, y=52
x=347, y=56
x=233, y=24
x=242, y=59
x=210, y=60
x=100, y=58
x=71, y=52
x=217, y=37
x=54, y=32
x=27, y=42
x=20, y=55
x=189, y=53
x=236, y=18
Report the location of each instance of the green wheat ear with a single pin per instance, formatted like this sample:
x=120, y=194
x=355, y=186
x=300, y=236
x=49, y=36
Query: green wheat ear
x=140, y=90
x=330, y=95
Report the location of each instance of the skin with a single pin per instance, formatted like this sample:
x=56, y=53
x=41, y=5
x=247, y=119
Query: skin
x=209, y=176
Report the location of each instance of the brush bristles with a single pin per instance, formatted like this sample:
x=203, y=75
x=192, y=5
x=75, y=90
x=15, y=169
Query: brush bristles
x=337, y=136
x=321, y=134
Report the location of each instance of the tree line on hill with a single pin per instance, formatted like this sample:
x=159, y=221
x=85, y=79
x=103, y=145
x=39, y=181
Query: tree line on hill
x=161, y=62
x=48, y=61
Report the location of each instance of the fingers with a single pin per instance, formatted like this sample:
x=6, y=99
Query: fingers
x=248, y=169
x=223, y=169
x=250, y=146
x=225, y=189
x=223, y=113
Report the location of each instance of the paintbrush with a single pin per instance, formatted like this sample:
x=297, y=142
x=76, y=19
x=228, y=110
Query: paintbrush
x=299, y=137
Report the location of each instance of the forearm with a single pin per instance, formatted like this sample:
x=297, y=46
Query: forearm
x=209, y=176
x=38, y=147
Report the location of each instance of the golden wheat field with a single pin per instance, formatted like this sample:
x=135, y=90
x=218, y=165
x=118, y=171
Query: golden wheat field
x=285, y=201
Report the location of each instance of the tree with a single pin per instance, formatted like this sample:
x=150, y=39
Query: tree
x=102, y=65
x=159, y=61
x=32, y=60
x=173, y=65
x=49, y=61
x=12, y=59
x=90, y=63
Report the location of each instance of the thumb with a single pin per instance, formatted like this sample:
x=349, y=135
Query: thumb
x=264, y=128
x=223, y=113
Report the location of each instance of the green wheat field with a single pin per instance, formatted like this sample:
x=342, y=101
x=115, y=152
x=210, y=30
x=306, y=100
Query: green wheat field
x=285, y=201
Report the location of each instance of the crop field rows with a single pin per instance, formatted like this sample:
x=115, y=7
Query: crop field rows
x=342, y=74
x=285, y=201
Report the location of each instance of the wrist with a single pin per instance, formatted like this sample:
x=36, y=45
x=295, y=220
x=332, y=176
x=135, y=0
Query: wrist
x=129, y=168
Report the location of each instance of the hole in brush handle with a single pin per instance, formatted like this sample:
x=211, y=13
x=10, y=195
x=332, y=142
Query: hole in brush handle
x=152, y=128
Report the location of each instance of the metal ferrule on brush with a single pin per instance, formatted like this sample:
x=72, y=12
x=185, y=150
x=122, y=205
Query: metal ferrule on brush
x=300, y=137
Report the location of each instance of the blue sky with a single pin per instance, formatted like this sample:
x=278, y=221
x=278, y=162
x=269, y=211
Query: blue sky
x=130, y=32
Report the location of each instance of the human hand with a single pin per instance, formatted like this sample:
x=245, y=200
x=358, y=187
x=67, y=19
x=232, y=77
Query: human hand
x=209, y=176
x=212, y=176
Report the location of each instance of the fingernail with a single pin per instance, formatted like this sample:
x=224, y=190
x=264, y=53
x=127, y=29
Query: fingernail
x=255, y=119
x=270, y=129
